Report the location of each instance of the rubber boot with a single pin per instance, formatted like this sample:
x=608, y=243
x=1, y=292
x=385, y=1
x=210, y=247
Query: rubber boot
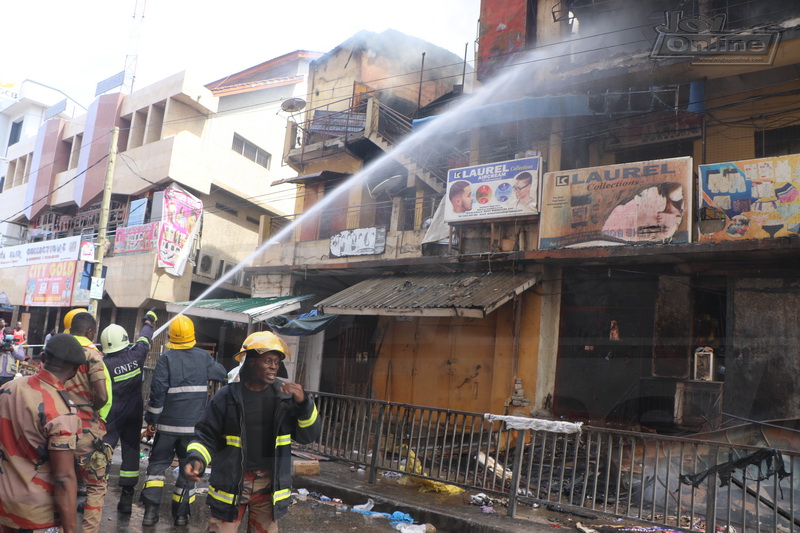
x=150, y=514
x=125, y=501
x=181, y=520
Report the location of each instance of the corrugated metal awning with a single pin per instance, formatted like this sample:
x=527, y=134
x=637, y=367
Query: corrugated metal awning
x=456, y=294
x=246, y=310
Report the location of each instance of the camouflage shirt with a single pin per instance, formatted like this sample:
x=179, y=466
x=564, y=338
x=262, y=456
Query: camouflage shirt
x=82, y=391
x=36, y=416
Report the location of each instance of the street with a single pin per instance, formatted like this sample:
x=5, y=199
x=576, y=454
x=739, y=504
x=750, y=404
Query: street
x=304, y=516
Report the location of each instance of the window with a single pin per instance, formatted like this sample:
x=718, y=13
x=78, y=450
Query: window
x=16, y=133
x=781, y=141
x=224, y=208
x=251, y=151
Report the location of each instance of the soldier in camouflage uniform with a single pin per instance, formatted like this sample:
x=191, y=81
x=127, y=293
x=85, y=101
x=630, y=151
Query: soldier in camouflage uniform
x=91, y=391
x=37, y=443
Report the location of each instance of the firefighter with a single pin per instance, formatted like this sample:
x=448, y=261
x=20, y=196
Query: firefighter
x=247, y=432
x=125, y=362
x=178, y=396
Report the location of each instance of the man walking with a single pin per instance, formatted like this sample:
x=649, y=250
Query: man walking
x=91, y=390
x=40, y=427
x=247, y=430
x=125, y=362
x=178, y=395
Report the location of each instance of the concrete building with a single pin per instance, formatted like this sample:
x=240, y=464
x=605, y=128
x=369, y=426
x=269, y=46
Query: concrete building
x=666, y=301
x=193, y=171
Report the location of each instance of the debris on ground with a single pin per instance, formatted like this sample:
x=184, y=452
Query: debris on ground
x=483, y=500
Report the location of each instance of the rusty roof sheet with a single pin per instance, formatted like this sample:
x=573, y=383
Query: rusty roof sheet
x=454, y=294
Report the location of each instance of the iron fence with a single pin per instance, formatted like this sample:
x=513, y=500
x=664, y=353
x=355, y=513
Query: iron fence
x=668, y=481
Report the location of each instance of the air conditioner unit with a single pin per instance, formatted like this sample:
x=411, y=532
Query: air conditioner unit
x=247, y=279
x=236, y=279
x=206, y=265
x=224, y=268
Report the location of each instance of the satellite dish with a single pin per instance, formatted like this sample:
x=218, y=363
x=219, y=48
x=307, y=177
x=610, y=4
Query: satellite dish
x=385, y=186
x=292, y=105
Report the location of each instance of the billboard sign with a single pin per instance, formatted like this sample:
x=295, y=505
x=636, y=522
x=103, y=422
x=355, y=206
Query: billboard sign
x=750, y=199
x=496, y=190
x=36, y=253
x=631, y=203
x=136, y=239
x=50, y=284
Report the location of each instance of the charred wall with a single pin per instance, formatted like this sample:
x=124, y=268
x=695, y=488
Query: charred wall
x=763, y=366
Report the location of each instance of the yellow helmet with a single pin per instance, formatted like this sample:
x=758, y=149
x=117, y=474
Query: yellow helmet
x=69, y=316
x=181, y=333
x=263, y=342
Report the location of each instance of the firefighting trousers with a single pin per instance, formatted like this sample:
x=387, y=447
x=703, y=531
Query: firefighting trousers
x=127, y=430
x=165, y=448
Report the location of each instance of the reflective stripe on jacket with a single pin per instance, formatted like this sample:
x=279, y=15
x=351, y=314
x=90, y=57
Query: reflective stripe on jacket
x=179, y=389
x=219, y=438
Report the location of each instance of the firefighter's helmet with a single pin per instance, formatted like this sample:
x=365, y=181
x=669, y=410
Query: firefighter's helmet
x=181, y=333
x=69, y=316
x=263, y=342
x=114, y=339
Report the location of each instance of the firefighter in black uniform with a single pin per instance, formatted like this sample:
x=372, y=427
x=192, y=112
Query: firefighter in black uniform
x=125, y=362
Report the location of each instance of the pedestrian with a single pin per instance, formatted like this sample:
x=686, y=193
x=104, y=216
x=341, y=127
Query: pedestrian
x=247, y=430
x=20, y=335
x=10, y=353
x=178, y=395
x=40, y=427
x=125, y=362
x=49, y=336
x=91, y=390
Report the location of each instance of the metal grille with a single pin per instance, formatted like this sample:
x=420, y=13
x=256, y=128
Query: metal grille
x=672, y=482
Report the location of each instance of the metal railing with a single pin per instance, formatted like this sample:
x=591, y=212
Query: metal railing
x=668, y=481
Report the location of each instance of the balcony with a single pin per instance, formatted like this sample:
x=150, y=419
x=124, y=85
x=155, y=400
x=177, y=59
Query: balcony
x=366, y=128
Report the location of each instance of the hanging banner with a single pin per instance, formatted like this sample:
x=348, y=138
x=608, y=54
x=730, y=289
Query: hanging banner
x=36, y=253
x=751, y=199
x=50, y=284
x=643, y=202
x=496, y=190
x=179, y=226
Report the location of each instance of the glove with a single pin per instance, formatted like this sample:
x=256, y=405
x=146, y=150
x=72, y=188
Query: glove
x=151, y=316
x=150, y=431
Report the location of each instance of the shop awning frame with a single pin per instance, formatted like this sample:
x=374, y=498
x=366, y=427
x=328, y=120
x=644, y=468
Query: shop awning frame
x=243, y=310
x=473, y=295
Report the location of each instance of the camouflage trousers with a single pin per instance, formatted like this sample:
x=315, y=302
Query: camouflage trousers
x=257, y=496
x=92, y=469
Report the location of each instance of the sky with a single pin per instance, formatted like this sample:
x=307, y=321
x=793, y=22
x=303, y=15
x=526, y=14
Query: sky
x=73, y=45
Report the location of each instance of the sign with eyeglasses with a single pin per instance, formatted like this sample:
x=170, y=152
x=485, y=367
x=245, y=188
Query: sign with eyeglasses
x=647, y=202
x=494, y=190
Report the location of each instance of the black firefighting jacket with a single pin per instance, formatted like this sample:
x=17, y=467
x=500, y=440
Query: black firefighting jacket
x=179, y=390
x=219, y=439
x=125, y=368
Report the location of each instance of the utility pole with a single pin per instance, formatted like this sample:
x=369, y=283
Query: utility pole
x=105, y=205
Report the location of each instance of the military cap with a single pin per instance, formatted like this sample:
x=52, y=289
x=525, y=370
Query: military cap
x=65, y=347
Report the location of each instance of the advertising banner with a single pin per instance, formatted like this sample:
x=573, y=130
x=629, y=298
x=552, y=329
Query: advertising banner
x=35, y=253
x=751, y=199
x=642, y=202
x=359, y=241
x=50, y=284
x=136, y=239
x=496, y=190
x=181, y=221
